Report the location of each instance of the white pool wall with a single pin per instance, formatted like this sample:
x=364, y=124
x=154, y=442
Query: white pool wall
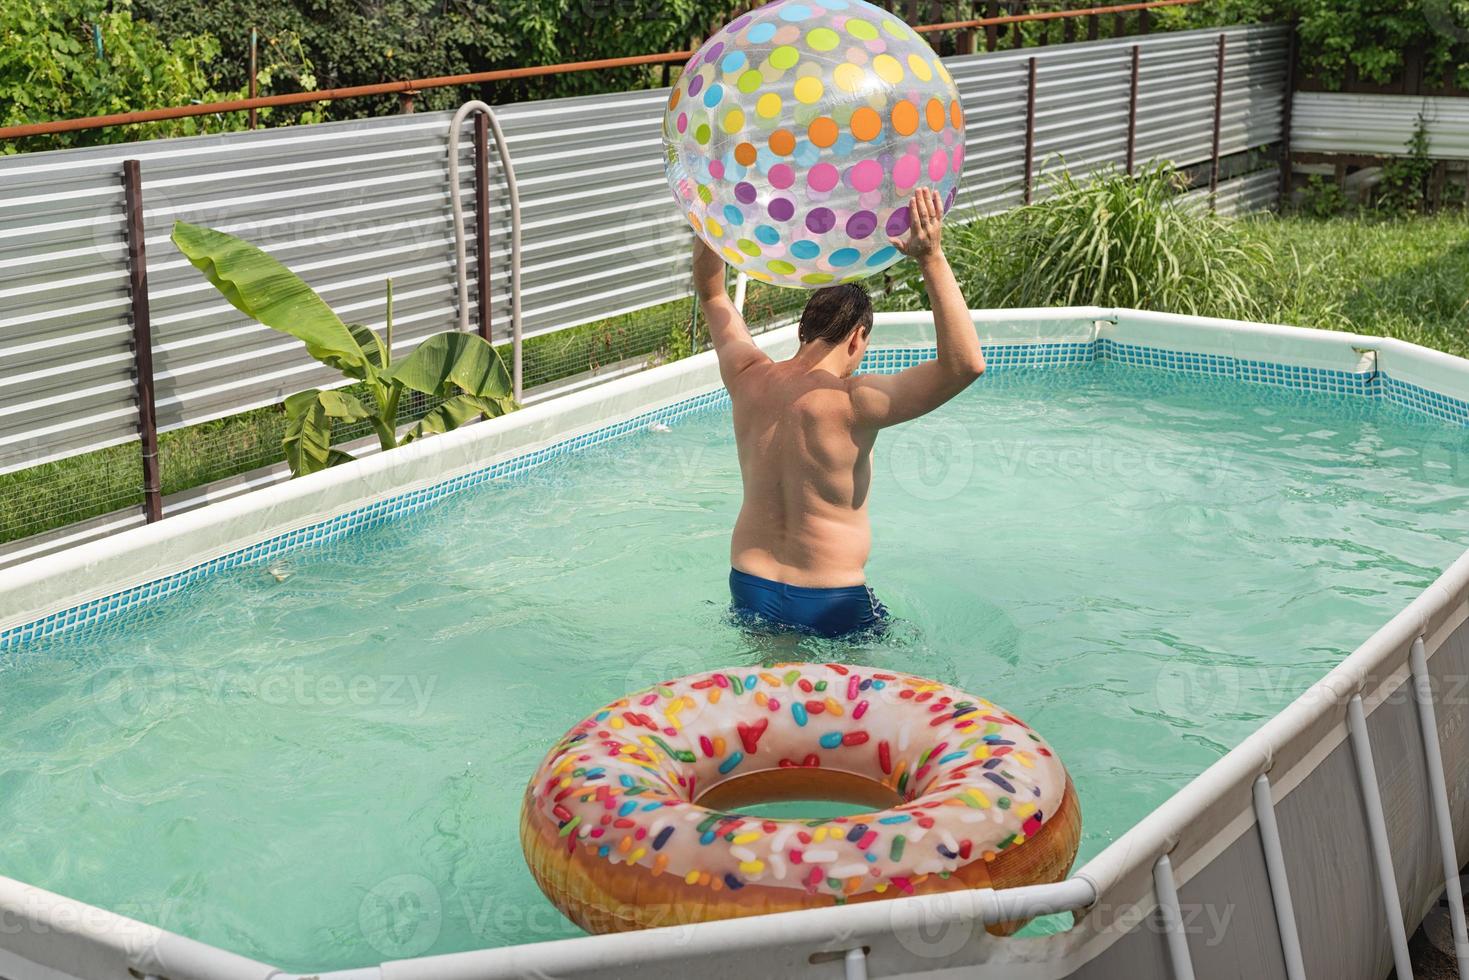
x=1206, y=828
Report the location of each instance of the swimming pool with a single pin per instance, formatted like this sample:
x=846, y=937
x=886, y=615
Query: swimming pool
x=310, y=753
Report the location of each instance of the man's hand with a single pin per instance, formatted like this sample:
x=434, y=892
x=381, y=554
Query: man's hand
x=886, y=399
x=925, y=226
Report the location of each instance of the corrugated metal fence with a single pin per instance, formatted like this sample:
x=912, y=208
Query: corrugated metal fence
x=1379, y=125
x=348, y=205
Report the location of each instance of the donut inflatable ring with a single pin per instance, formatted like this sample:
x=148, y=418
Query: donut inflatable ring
x=627, y=822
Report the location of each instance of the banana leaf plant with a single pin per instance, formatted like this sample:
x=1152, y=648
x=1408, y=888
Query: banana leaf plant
x=460, y=367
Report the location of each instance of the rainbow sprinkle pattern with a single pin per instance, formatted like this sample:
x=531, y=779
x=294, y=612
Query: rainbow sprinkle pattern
x=974, y=780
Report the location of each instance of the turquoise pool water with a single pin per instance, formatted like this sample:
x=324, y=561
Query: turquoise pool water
x=319, y=763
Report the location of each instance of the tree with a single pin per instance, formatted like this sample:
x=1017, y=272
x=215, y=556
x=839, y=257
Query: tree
x=1369, y=37
x=68, y=58
x=362, y=42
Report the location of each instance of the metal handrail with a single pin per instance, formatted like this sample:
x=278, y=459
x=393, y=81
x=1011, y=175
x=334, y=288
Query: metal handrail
x=461, y=262
x=411, y=86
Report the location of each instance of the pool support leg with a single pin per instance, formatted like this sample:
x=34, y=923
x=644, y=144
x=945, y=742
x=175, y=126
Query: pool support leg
x=1285, y=915
x=1168, y=908
x=1439, y=796
x=1377, y=834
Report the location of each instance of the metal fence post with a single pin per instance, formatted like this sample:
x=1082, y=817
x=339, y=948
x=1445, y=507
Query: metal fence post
x=132, y=184
x=1030, y=131
x=254, y=73
x=1218, y=118
x=482, y=218
x=1287, y=104
x=1132, y=108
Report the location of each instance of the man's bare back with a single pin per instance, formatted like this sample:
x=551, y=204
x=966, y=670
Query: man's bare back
x=805, y=427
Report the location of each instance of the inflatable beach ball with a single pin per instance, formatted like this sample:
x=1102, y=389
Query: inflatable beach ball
x=797, y=134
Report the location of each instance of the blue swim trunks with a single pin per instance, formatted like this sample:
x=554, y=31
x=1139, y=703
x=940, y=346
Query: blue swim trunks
x=824, y=612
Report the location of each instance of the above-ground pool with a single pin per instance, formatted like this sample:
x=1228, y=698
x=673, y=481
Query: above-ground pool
x=314, y=754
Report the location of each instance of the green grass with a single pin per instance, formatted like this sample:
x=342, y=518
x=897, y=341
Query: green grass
x=1405, y=278
x=71, y=490
x=1114, y=240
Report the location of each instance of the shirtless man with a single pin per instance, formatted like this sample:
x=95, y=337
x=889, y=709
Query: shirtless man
x=805, y=428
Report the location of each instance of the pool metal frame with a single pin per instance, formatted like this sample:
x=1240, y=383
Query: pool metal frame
x=1370, y=766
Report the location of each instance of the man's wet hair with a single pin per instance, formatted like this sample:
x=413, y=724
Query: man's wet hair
x=831, y=314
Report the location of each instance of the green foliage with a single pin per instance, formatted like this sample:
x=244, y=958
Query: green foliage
x=462, y=368
x=679, y=345
x=1321, y=198
x=1112, y=240
x=1404, y=186
x=1368, y=36
x=50, y=68
x=64, y=59
x=360, y=44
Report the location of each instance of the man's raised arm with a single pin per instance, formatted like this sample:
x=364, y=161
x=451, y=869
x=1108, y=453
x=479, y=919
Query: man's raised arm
x=727, y=331
x=881, y=400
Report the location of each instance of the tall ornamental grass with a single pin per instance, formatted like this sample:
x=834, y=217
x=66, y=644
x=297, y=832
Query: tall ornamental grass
x=1111, y=240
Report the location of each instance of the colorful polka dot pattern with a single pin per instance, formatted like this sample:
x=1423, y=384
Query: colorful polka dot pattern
x=797, y=134
x=973, y=779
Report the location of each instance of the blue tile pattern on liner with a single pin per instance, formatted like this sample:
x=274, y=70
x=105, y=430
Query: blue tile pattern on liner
x=885, y=360
x=889, y=360
x=1328, y=380
x=1430, y=403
